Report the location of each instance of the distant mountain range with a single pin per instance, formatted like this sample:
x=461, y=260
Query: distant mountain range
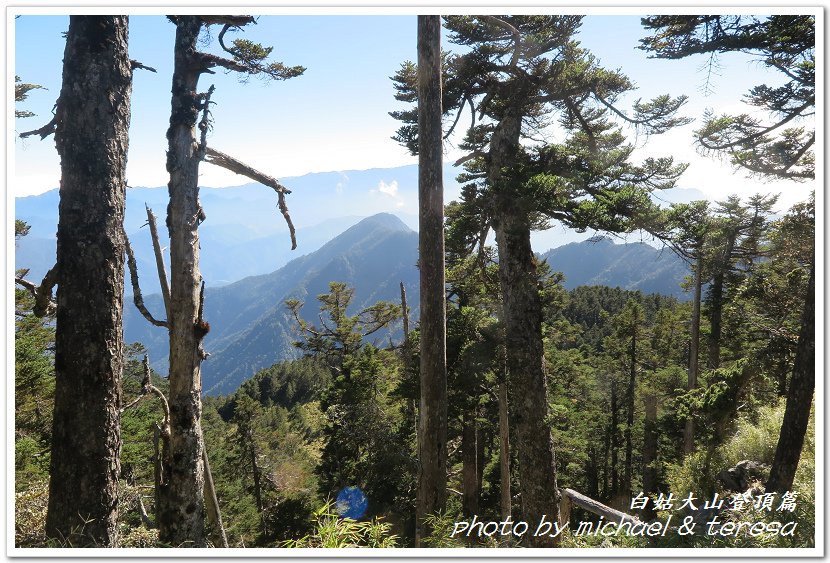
x=245, y=235
x=635, y=266
x=245, y=261
x=251, y=328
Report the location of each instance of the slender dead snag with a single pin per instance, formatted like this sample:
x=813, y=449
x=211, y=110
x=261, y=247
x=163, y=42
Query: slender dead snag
x=227, y=162
x=506, y=500
x=405, y=316
x=162, y=271
x=212, y=503
x=181, y=498
x=142, y=512
x=138, y=299
x=161, y=433
x=411, y=407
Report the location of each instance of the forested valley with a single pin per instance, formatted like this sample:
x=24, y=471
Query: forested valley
x=500, y=397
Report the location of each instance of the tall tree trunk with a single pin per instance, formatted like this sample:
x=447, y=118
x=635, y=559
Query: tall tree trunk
x=713, y=340
x=257, y=475
x=650, y=453
x=799, y=399
x=469, y=465
x=716, y=306
x=506, y=500
x=606, y=452
x=613, y=430
x=528, y=388
x=694, y=345
x=432, y=424
x=181, y=514
x=632, y=386
x=92, y=137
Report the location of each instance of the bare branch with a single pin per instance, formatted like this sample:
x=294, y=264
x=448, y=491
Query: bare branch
x=44, y=131
x=44, y=303
x=137, y=298
x=471, y=156
x=162, y=271
x=134, y=64
x=229, y=163
x=147, y=389
x=204, y=124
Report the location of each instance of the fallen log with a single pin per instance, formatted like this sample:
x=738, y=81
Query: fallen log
x=570, y=496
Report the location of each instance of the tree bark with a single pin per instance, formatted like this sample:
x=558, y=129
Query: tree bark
x=523, y=326
x=629, y=423
x=432, y=424
x=506, y=500
x=799, y=400
x=469, y=465
x=650, y=454
x=93, y=116
x=528, y=388
x=694, y=345
x=181, y=511
x=716, y=307
x=613, y=432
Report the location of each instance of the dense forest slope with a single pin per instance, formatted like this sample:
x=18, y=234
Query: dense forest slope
x=635, y=266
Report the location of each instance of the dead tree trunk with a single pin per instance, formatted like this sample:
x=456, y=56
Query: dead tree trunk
x=92, y=121
x=181, y=511
x=432, y=424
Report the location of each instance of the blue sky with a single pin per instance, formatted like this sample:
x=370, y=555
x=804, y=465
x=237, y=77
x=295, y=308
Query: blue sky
x=335, y=116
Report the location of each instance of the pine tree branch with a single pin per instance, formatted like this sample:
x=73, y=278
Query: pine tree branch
x=206, y=61
x=230, y=21
x=229, y=163
x=517, y=36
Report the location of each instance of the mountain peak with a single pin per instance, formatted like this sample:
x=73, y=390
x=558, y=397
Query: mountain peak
x=385, y=221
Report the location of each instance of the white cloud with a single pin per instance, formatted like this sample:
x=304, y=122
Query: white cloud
x=390, y=189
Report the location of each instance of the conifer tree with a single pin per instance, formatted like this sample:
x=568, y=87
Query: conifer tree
x=520, y=74
x=781, y=147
